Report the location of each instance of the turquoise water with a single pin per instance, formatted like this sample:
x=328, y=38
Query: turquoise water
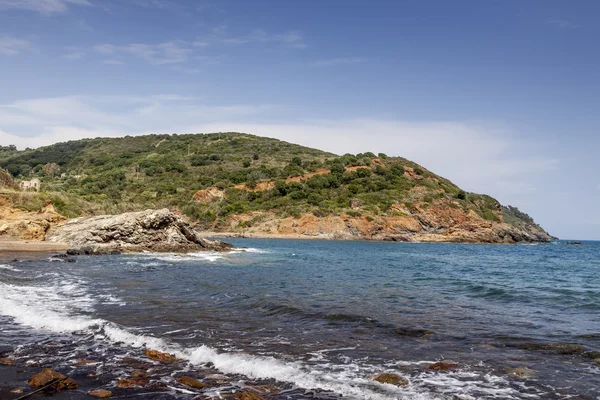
x=328, y=315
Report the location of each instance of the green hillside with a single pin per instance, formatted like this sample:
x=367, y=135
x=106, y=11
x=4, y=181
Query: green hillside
x=111, y=175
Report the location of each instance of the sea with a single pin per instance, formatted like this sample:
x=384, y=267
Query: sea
x=310, y=319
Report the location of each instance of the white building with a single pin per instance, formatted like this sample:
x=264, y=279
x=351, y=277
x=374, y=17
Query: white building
x=33, y=184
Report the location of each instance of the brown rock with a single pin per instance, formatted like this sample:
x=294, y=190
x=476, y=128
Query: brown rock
x=443, y=366
x=100, y=393
x=48, y=375
x=246, y=395
x=127, y=383
x=391, y=379
x=163, y=357
x=6, y=361
x=521, y=372
x=139, y=374
x=191, y=382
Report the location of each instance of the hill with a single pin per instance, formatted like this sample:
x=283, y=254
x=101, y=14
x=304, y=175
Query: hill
x=235, y=182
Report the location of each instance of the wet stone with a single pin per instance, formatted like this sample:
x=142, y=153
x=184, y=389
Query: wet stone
x=162, y=357
x=392, y=379
x=443, y=366
x=6, y=361
x=18, y=390
x=47, y=376
x=191, y=382
x=127, y=383
x=100, y=393
x=521, y=372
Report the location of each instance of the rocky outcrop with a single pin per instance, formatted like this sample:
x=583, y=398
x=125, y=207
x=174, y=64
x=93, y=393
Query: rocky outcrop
x=150, y=230
x=437, y=222
x=26, y=225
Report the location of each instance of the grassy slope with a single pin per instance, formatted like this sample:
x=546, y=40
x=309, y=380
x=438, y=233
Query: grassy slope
x=132, y=173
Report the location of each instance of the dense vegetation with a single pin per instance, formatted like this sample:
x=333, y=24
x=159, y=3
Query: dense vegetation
x=105, y=175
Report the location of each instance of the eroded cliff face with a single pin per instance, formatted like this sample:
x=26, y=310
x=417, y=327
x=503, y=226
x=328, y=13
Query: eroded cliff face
x=436, y=223
x=19, y=224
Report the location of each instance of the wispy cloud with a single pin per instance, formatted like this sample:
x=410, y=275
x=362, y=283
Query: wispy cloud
x=339, y=61
x=113, y=62
x=562, y=23
x=42, y=6
x=76, y=55
x=10, y=46
x=223, y=35
x=156, y=54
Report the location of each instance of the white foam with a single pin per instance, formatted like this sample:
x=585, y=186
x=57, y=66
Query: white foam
x=58, y=307
x=10, y=268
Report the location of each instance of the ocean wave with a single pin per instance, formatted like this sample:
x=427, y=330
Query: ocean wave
x=62, y=306
x=10, y=268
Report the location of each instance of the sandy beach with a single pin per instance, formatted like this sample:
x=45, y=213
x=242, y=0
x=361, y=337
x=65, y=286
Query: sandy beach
x=29, y=246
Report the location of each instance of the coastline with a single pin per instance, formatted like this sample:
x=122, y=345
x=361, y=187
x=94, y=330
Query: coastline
x=32, y=246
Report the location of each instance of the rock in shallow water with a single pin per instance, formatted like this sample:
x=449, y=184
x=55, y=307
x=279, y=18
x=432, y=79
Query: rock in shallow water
x=521, y=372
x=392, y=379
x=191, y=382
x=164, y=357
x=100, y=393
x=443, y=366
x=47, y=376
x=150, y=230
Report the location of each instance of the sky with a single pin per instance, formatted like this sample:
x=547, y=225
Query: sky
x=500, y=96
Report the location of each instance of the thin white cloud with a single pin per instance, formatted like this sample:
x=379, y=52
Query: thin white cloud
x=156, y=54
x=42, y=6
x=222, y=34
x=113, y=62
x=339, y=61
x=76, y=55
x=10, y=46
x=562, y=23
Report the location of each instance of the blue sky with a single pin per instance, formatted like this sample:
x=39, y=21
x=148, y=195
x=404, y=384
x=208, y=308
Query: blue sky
x=501, y=97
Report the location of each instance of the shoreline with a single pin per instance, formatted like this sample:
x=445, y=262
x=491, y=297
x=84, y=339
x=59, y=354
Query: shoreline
x=300, y=236
x=34, y=246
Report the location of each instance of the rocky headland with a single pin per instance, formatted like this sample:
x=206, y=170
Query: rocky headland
x=150, y=230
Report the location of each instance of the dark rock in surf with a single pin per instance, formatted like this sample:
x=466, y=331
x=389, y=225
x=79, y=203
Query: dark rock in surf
x=521, y=372
x=559, y=348
x=191, y=382
x=443, y=366
x=413, y=332
x=163, y=357
x=392, y=379
x=150, y=230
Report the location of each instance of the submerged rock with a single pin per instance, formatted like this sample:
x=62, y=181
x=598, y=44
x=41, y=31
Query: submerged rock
x=245, y=395
x=443, y=366
x=6, y=361
x=100, y=393
x=413, y=332
x=47, y=376
x=150, y=230
x=191, y=382
x=391, y=379
x=127, y=383
x=521, y=372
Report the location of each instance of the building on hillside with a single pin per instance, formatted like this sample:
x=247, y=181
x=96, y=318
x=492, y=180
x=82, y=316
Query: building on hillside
x=33, y=184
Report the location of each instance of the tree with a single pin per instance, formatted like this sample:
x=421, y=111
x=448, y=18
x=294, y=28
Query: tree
x=51, y=169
